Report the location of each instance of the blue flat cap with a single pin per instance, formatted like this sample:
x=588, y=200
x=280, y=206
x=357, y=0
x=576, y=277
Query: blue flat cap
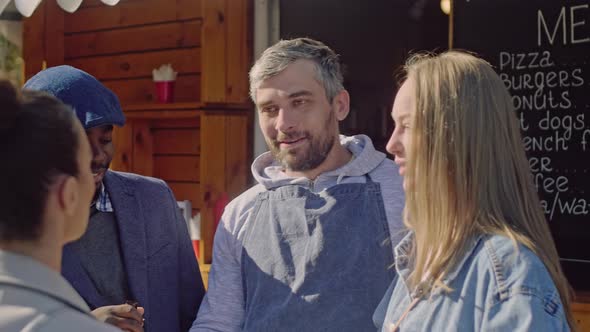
x=95, y=105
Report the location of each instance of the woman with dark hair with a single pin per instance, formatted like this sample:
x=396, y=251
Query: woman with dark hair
x=479, y=256
x=46, y=188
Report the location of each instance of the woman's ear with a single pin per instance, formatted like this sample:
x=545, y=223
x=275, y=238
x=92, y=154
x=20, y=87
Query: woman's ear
x=68, y=195
x=341, y=105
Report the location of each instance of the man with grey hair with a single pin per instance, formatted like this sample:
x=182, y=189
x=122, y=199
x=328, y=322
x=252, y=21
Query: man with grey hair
x=310, y=247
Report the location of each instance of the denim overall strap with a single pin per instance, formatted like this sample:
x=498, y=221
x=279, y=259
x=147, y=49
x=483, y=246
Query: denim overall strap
x=316, y=261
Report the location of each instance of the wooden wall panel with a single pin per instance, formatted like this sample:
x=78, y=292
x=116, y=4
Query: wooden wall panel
x=143, y=148
x=175, y=124
x=131, y=13
x=227, y=32
x=177, y=168
x=134, y=65
x=123, y=139
x=187, y=191
x=581, y=313
x=238, y=43
x=188, y=9
x=214, y=55
x=54, y=34
x=137, y=91
x=177, y=141
x=144, y=38
x=34, y=41
x=213, y=184
x=237, y=169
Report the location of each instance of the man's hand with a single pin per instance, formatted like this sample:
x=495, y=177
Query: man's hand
x=124, y=316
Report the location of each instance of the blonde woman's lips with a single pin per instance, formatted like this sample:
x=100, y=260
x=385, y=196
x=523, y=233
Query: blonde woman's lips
x=401, y=167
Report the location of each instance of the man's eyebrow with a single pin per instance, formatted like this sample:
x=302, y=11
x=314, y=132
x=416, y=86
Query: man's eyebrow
x=293, y=95
x=301, y=93
x=264, y=104
x=108, y=128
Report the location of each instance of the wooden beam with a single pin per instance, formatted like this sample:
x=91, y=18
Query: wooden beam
x=54, y=34
x=34, y=41
x=213, y=34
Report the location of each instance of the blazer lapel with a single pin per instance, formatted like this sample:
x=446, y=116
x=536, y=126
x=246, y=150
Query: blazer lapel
x=132, y=234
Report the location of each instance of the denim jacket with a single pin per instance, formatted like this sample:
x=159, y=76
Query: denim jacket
x=494, y=288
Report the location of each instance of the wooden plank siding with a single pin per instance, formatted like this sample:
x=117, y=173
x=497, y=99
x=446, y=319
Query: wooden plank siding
x=237, y=85
x=123, y=139
x=133, y=39
x=187, y=191
x=54, y=34
x=179, y=138
x=167, y=149
x=177, y=168
x=143, y=148
x=581, y=313
x=139, y=65
x=180, y=141
x=121, y=48
x=142, y=90
x=34, y=41
x=214, y=56
x=194, y=122
x=237, y=172
x=213, y=173
x=227, y=32
x=130, y=13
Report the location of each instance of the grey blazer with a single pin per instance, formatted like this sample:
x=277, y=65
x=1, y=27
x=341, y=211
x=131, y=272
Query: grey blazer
x=162, y=271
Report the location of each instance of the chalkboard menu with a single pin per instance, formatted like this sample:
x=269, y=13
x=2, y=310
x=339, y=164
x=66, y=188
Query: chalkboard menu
x=541, y=49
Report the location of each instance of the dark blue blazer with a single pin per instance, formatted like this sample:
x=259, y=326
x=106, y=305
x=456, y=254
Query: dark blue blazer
x=162, y=271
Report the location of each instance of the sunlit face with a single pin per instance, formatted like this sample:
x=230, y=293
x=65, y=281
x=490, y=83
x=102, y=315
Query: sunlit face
x=298, y=122
x=85, y=189
x=103, y=150
x=402, y=113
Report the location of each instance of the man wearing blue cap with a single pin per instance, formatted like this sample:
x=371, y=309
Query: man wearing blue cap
x=134, y=266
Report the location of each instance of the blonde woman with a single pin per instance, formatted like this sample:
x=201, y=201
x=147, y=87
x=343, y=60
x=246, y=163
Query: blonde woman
x=480, y=256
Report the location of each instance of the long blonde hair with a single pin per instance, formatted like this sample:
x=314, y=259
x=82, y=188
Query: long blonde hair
x=467, y=169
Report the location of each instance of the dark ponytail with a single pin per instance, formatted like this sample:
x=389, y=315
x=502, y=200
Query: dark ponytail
x=38, y=141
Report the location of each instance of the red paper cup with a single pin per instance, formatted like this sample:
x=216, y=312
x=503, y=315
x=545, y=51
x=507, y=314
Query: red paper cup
x=165, y=91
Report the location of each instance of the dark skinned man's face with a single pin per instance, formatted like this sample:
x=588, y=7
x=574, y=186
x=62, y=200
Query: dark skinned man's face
x=103, y=150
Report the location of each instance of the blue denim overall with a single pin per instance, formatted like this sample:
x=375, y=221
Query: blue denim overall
x=316, y=261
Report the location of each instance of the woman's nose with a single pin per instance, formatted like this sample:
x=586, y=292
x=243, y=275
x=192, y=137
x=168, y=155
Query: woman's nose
x=393, y=145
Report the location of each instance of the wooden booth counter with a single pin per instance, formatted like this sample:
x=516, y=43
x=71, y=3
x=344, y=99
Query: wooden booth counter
x=201, y=151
